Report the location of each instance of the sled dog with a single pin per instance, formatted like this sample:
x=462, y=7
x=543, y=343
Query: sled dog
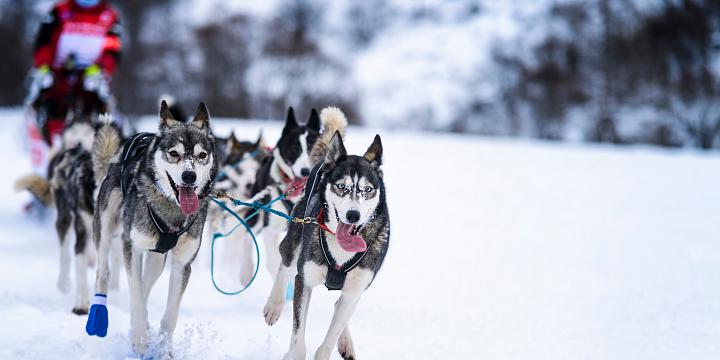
x=70, y=187
x=343, y=250
x=155, y=196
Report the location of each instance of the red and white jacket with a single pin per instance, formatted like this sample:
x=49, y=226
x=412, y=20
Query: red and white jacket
x=91, y=34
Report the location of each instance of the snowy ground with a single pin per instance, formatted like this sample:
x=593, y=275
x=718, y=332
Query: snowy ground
x=501, y=249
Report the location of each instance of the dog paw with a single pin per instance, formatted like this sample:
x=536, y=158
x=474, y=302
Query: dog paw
x=346, y=348
x=80, y=310
x=63, y=284
x=272, y=311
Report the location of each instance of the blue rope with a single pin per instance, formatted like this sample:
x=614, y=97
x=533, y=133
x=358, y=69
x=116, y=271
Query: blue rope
x=258, y=207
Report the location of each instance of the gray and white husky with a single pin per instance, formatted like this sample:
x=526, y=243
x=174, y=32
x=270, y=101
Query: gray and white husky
x=155, y=195
x=70, y=187
x=344, y=250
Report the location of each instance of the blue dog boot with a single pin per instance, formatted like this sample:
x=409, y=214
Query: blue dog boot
x=97, y=322
x=290, y=291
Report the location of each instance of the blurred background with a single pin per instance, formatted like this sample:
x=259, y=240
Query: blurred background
x=520, y=230
x=615, y=71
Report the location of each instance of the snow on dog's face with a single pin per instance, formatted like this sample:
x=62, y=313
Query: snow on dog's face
x=293, y=149
x=184, y=159
x=353, y=190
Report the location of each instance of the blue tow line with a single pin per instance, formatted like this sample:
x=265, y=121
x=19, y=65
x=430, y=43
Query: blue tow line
x=258, y=207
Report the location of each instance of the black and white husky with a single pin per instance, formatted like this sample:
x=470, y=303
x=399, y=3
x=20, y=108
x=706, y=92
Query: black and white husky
x=70, y=187
x=344, y=250
x=290, y=161
x=155, y=195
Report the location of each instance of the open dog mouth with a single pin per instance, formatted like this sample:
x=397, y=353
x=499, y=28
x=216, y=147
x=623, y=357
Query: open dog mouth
x=348, y=237
x=185, y=196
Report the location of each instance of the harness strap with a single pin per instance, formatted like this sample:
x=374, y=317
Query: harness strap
x=336, y=274
x=131, y=152
x=168, y=239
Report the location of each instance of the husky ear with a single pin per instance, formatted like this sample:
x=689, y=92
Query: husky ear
x=374, y=152
x=202, y=117
x=167, y=120
x=260, y=141
x=290, y=122
x=314, y=122
x=231, y=140
x=336, y=149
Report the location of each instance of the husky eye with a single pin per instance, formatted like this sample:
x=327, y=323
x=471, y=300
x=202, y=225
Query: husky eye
x=340, y=186
x=202, y=155
x=368, y=189
x=174, y=153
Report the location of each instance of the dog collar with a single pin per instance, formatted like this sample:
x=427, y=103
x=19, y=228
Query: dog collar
x=168, y=239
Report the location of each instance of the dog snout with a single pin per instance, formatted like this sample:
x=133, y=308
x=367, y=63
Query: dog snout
x=352, y=216
x=188, y=177
x=305, y=171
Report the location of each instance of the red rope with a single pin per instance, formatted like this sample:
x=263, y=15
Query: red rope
x=321, y=221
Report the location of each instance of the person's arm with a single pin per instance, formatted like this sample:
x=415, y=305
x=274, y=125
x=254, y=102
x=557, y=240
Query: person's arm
x=111, y=49
x=44, y=49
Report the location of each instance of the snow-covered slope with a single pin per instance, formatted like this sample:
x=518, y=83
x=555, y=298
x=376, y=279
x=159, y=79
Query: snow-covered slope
x=500, y=250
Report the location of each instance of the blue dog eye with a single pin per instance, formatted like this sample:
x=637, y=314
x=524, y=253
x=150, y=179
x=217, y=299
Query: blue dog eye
x=340, y=186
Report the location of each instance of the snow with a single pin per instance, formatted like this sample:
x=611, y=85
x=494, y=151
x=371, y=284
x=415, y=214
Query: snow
x=501, y=249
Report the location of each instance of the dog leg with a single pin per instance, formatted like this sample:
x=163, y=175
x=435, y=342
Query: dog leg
x=247, y=254
x=276, y=301
x=138, y=308
x=116, y=261
x=344, y=308
x=345, y=345
x=153, y=268
x=179, y=276
x=271, y=239
x=83, y=221
x=300, y=311
x=355, y=283
x=105, y=226
x=62, y=225
x=90, y=251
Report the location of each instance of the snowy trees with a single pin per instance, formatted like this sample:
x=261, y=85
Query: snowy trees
x=620, y=71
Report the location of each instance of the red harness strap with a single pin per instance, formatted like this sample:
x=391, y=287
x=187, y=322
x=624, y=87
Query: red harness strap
x=321, y=221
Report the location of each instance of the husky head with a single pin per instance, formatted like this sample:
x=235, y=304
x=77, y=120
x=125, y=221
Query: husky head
x=184, y=158
x=292, y=151
x=241, y=163
x=353, y=190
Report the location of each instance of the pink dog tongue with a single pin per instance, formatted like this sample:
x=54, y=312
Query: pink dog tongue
x=347, y=240
x=188, y=199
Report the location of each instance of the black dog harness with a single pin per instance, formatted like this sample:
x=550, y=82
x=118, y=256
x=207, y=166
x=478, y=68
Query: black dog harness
x=133, y=150
x=336, y=273
x=168, y=239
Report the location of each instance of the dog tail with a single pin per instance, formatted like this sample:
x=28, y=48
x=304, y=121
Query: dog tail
x=38, y=186
x=106, y=145
x=333, y=120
